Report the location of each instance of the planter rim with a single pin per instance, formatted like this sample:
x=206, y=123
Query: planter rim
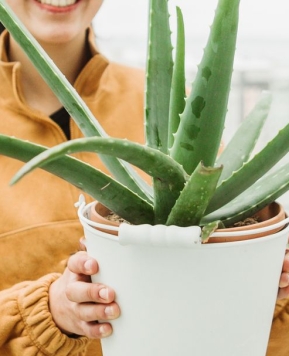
x=83, y=210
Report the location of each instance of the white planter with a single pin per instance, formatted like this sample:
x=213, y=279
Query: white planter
x=197, y=300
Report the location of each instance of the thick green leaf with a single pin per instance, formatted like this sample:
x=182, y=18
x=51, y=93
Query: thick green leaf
x=167, y=173
x=92, y=181
x=159, y=76
x=241, y=145
x=200, y=131
x=178, y=90
x=194, y=199
x=152, y=161
x=251, y=171
x=263, y=192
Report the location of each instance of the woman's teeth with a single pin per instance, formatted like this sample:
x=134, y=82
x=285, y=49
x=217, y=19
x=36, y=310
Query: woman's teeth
x=59, y=3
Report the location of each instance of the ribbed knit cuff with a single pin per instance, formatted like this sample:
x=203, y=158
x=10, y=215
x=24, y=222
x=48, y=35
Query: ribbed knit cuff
x=40, y=327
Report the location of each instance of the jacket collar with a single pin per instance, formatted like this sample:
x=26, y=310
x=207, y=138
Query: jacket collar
x=4, y=45
x=86, y=83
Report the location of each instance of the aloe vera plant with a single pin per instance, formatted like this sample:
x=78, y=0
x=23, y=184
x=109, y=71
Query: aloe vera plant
x=191, y=184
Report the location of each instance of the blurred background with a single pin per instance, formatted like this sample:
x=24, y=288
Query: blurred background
x=262, y=53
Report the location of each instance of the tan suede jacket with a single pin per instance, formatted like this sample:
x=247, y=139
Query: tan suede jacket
x=39, y=227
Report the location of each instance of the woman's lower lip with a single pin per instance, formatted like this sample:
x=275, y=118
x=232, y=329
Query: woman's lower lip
x=57, y=9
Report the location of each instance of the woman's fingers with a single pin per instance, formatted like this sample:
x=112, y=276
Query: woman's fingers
x=82, y=292
x=81, y=263
x=285, y=267
x=79, y=306
x=90, y=312
x=95, y=330
x=283, y=293
x=82, y=246
x=284, y=279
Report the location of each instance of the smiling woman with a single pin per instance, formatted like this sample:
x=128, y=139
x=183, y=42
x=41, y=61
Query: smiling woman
x=27, y=110
x=48, y=305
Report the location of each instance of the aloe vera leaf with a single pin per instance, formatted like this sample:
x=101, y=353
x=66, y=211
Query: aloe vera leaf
x=178, y=91
x=153, y=162
x=194, y=198
x=203, y=119
x=70, y=99
x=266, y=190
x=85, y=177
x=251, y=171
x=159, y=76
x=158, y=86
x=208, y=229
x=244, y=140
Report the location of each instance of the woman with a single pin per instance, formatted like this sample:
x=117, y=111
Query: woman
x=44, y=312
x=47, y=304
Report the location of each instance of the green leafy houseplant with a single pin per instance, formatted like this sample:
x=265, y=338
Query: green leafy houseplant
x=191, y=184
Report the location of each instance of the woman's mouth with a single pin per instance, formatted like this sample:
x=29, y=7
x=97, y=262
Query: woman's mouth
x=57, y=3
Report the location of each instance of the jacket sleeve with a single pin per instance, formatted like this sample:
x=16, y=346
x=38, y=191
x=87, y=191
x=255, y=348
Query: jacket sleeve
x=26, y=325
x=279, y=337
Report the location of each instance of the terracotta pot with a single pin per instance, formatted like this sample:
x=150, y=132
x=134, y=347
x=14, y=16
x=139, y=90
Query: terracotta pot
x=269, y=215
x=98, y=213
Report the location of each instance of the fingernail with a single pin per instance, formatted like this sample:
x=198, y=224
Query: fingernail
x=104, y=331
x=109, y=311
x=103, y=293
x=88, y=265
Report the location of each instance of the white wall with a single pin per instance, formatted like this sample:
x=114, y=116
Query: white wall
x=127, y=19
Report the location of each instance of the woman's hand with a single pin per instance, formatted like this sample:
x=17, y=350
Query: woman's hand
x=76, y=304
x=284, y=279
